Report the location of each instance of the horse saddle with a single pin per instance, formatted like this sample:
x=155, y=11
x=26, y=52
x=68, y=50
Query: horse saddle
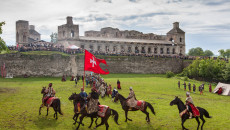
x=50, y=101
x=102, y=110
x=195, y=112
x=140, y=105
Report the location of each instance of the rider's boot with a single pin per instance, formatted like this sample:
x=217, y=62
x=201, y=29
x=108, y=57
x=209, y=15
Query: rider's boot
x=78, y=109
x=190, y=115
x=130, y=108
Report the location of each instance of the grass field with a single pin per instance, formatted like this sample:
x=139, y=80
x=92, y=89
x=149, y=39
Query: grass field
x=20, y=99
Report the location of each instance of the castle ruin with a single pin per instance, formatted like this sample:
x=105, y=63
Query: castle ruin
x=113, y=40
x=26, y=33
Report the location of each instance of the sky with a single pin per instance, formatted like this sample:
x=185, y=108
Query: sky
x=206, y=22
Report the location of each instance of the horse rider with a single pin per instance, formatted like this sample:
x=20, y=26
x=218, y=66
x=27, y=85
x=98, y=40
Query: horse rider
x=114, y=93
x=93, y=101
x=84, y=95
x=189, y=102
x=131, y=99
x=50, y=92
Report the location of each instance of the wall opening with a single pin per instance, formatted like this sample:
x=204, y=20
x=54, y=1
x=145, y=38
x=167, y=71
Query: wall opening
x=129, y=49
x=24, y=38
x=136, y=49
x=143, y=50
x=17, y=37
x=155, y=50
x=72, y=33
x=149, y=50
x=173, y=51
x=162, y=50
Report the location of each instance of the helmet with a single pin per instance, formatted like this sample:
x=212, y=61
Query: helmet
x=131, y=88
x=82, y=89
x=187, y=93
x=50, y=84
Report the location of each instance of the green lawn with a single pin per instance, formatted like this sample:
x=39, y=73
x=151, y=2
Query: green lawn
x=20, y=99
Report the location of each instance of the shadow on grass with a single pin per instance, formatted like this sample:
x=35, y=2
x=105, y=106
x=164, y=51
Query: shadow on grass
x=46, y=122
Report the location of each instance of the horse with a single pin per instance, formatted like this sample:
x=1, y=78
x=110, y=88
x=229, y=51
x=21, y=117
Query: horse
x=83, y=112
x=56, y=104
x=182, y=107
x=126, y=108
x=74, y=97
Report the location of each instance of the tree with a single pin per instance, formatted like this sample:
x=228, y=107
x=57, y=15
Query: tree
x=208, y=53
x=224, y=53
x=3, y=46
x=226, y=74
x=196, y=52
x=53, y=37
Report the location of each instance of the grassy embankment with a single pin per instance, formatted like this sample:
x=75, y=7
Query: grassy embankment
x=20, y=99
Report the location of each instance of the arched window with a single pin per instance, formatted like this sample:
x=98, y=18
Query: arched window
x=180, y=39
x=63, y=33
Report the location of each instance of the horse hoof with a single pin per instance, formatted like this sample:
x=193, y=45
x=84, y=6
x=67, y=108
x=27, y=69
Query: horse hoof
x=82, y=124
x=94, y=127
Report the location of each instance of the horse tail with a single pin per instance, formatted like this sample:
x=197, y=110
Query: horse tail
x=205, y=112
x=115, y=114
x=151, y=107
x=59, y=106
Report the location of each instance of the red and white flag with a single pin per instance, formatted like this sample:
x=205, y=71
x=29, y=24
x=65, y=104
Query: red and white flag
x=92, y=63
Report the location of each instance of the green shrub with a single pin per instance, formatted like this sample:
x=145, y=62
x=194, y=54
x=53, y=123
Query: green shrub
x=186, y=78
x=169, y=74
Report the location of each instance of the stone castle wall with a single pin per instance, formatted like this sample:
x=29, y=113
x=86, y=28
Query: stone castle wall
x=56, y=65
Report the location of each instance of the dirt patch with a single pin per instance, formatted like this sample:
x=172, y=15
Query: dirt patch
x=7, y=90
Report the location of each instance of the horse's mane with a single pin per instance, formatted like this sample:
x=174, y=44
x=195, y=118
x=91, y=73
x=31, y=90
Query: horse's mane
x=122, y=96
x=180, y=100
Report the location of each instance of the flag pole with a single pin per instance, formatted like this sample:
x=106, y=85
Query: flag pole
x=84, y=74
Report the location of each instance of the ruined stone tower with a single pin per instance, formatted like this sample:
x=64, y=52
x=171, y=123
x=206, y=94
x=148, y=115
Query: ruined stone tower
x=33, y=34
x=26, y=33
x=22, y=32
x=68, y=33
x=177, y=36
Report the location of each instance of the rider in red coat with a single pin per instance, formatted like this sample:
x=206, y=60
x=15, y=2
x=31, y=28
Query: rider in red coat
x=190, y=106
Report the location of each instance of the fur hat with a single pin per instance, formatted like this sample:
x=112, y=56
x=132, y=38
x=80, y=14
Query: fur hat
x=188, y=93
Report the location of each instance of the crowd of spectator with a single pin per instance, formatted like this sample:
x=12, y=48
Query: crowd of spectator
x=47, y=46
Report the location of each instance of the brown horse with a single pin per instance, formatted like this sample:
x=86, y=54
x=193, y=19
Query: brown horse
x=104, y=120
x=56, y=104
x=126, y=108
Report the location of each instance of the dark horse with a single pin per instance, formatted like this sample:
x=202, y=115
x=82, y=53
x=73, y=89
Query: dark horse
x=182, y=107
x=83, y=112
x=126, y=108
x=56, y=104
